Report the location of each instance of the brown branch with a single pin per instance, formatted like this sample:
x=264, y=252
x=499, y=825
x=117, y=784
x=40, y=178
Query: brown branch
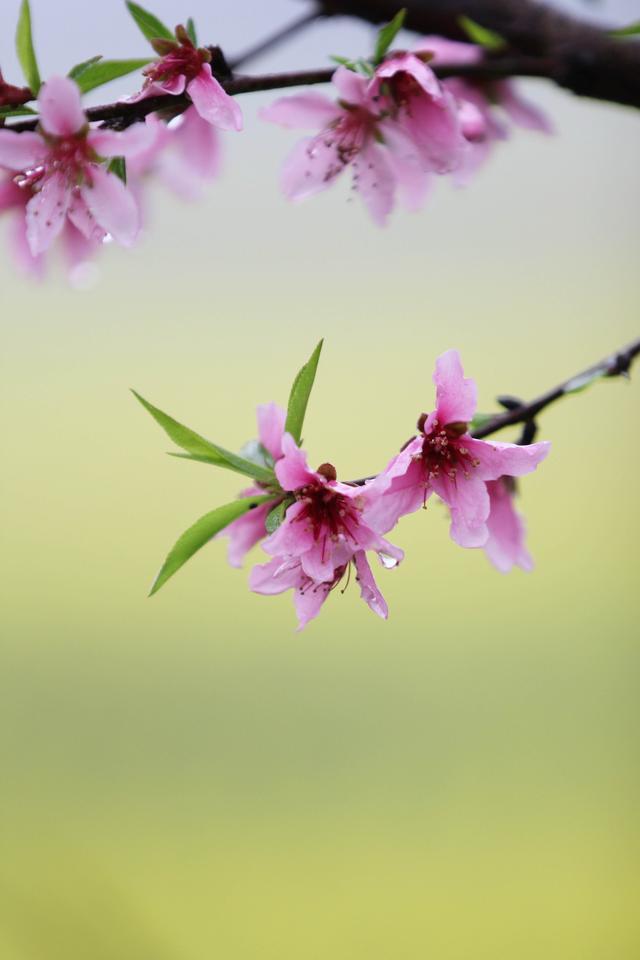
x=122, y=114
x=273, y=41
x=580, y=57
x=616, y=365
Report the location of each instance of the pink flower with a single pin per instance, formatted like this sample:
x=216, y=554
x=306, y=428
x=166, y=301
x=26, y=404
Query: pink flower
x=327, y=523
x=13, y=201
x=184, y=68
x=409, y=92
x=446, y=460
x=60, y=168
x=281, y=574
x=505, y=546
x=245, y=532
x=480, y=102
x=184, y=154
x=349, y=137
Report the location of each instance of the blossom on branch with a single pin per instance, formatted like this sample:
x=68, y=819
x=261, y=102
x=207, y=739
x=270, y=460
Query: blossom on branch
x=446, y=460
x=60, y=167
x=185, y=68
x=505, y=546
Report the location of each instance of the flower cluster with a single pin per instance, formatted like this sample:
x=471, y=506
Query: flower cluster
x=315, y=528
x=74, y=184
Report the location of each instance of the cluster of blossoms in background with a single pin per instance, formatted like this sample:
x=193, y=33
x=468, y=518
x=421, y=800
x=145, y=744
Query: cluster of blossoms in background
x=316, y=529
x=74, y=184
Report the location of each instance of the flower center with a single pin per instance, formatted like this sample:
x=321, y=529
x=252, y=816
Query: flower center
x=69, y=157
x=327, y=513
x=444, y=452
x=180, y=59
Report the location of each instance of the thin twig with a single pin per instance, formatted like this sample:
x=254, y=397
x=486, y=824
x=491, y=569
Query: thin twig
x=275, y=39
x=122, y=114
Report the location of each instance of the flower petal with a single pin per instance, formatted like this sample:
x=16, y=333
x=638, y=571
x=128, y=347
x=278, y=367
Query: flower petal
x=46, y=213
x=83, y=220
x=375, y=182
x=505, y=459
x=212, y=102
x=505, y=547
x=245, y=532
x=352, y=87
x=449, y=51
x=134, y=140
x=521, y=111
x=271, y=421
x=456, y=397
x=415, y=67
x=292, y=470
x=468, y=502
x=112, y=205
x=276, y=576
x=308, y=600
x=21, y=151
x=174, y=87
x=307, y=110
x=60, y=106
x=369, y=590
x=312, y=166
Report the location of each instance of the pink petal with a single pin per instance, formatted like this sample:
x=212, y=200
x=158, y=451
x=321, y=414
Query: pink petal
x=369, y=590
x=78, y=248
x=173, y=87
x=83, y=220
x=505, y=547
x=112, y=205
x=124, y=143
x=21, y=151
x=212, y=102
x=352, y=87
x=312, y=166
x=60, y=106
x=402, y=489
x=406, y=165
x=435, y=128
x=292, y=470
x=449, y=51
x=416, y=68
x=271, y=421
x=468, y=502
x=374, y=181
x=308, y=601
x=33, y=266
x=505, y=459
x=456, y=397
x=305, y=110
x=245, y=532
x=521, y=111
x=276, y=576
x=292, y=538
x=11, y=195
x=46, y=213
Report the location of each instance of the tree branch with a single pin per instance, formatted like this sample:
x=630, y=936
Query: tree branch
x=275, y=39
x=580, y=57
x=122, y=114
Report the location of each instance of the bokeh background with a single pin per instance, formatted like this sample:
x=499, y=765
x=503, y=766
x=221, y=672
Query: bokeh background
x=186, y=777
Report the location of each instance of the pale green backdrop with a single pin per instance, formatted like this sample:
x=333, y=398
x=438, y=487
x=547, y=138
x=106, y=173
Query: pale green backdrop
x=185, y=777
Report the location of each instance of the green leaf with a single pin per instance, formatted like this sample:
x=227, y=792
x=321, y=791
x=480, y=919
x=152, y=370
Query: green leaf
x=276, y=516
x=632, y=30
x=191, y=30
x=200, y=533
x=387, y=34
x=203, y=450
x=17, y=112
x=95, y=73
x=480, y=419
x=79, y=68
x=24, y=48
x=118, y=165
x=481, y=35
x=299, y=396
x=150, y=26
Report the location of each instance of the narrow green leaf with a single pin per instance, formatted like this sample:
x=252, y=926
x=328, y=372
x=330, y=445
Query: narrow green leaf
x=118, y=165
x=99, y=72
x=17, y=112
x=276, y=516
x=387, y=34
x=481, y=35
x=200, y=533
x=299, y=396
x=191, y=30
x=24, y=48
x=149, y=24
x=203, y=450
x=480, y=419
x=631, y=30
x=79, y=68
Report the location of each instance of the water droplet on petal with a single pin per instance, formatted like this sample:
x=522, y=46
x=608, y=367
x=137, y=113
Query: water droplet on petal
x=388, y=561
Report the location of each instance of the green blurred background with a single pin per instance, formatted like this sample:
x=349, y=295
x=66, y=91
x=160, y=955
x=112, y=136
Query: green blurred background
x=186, y=777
